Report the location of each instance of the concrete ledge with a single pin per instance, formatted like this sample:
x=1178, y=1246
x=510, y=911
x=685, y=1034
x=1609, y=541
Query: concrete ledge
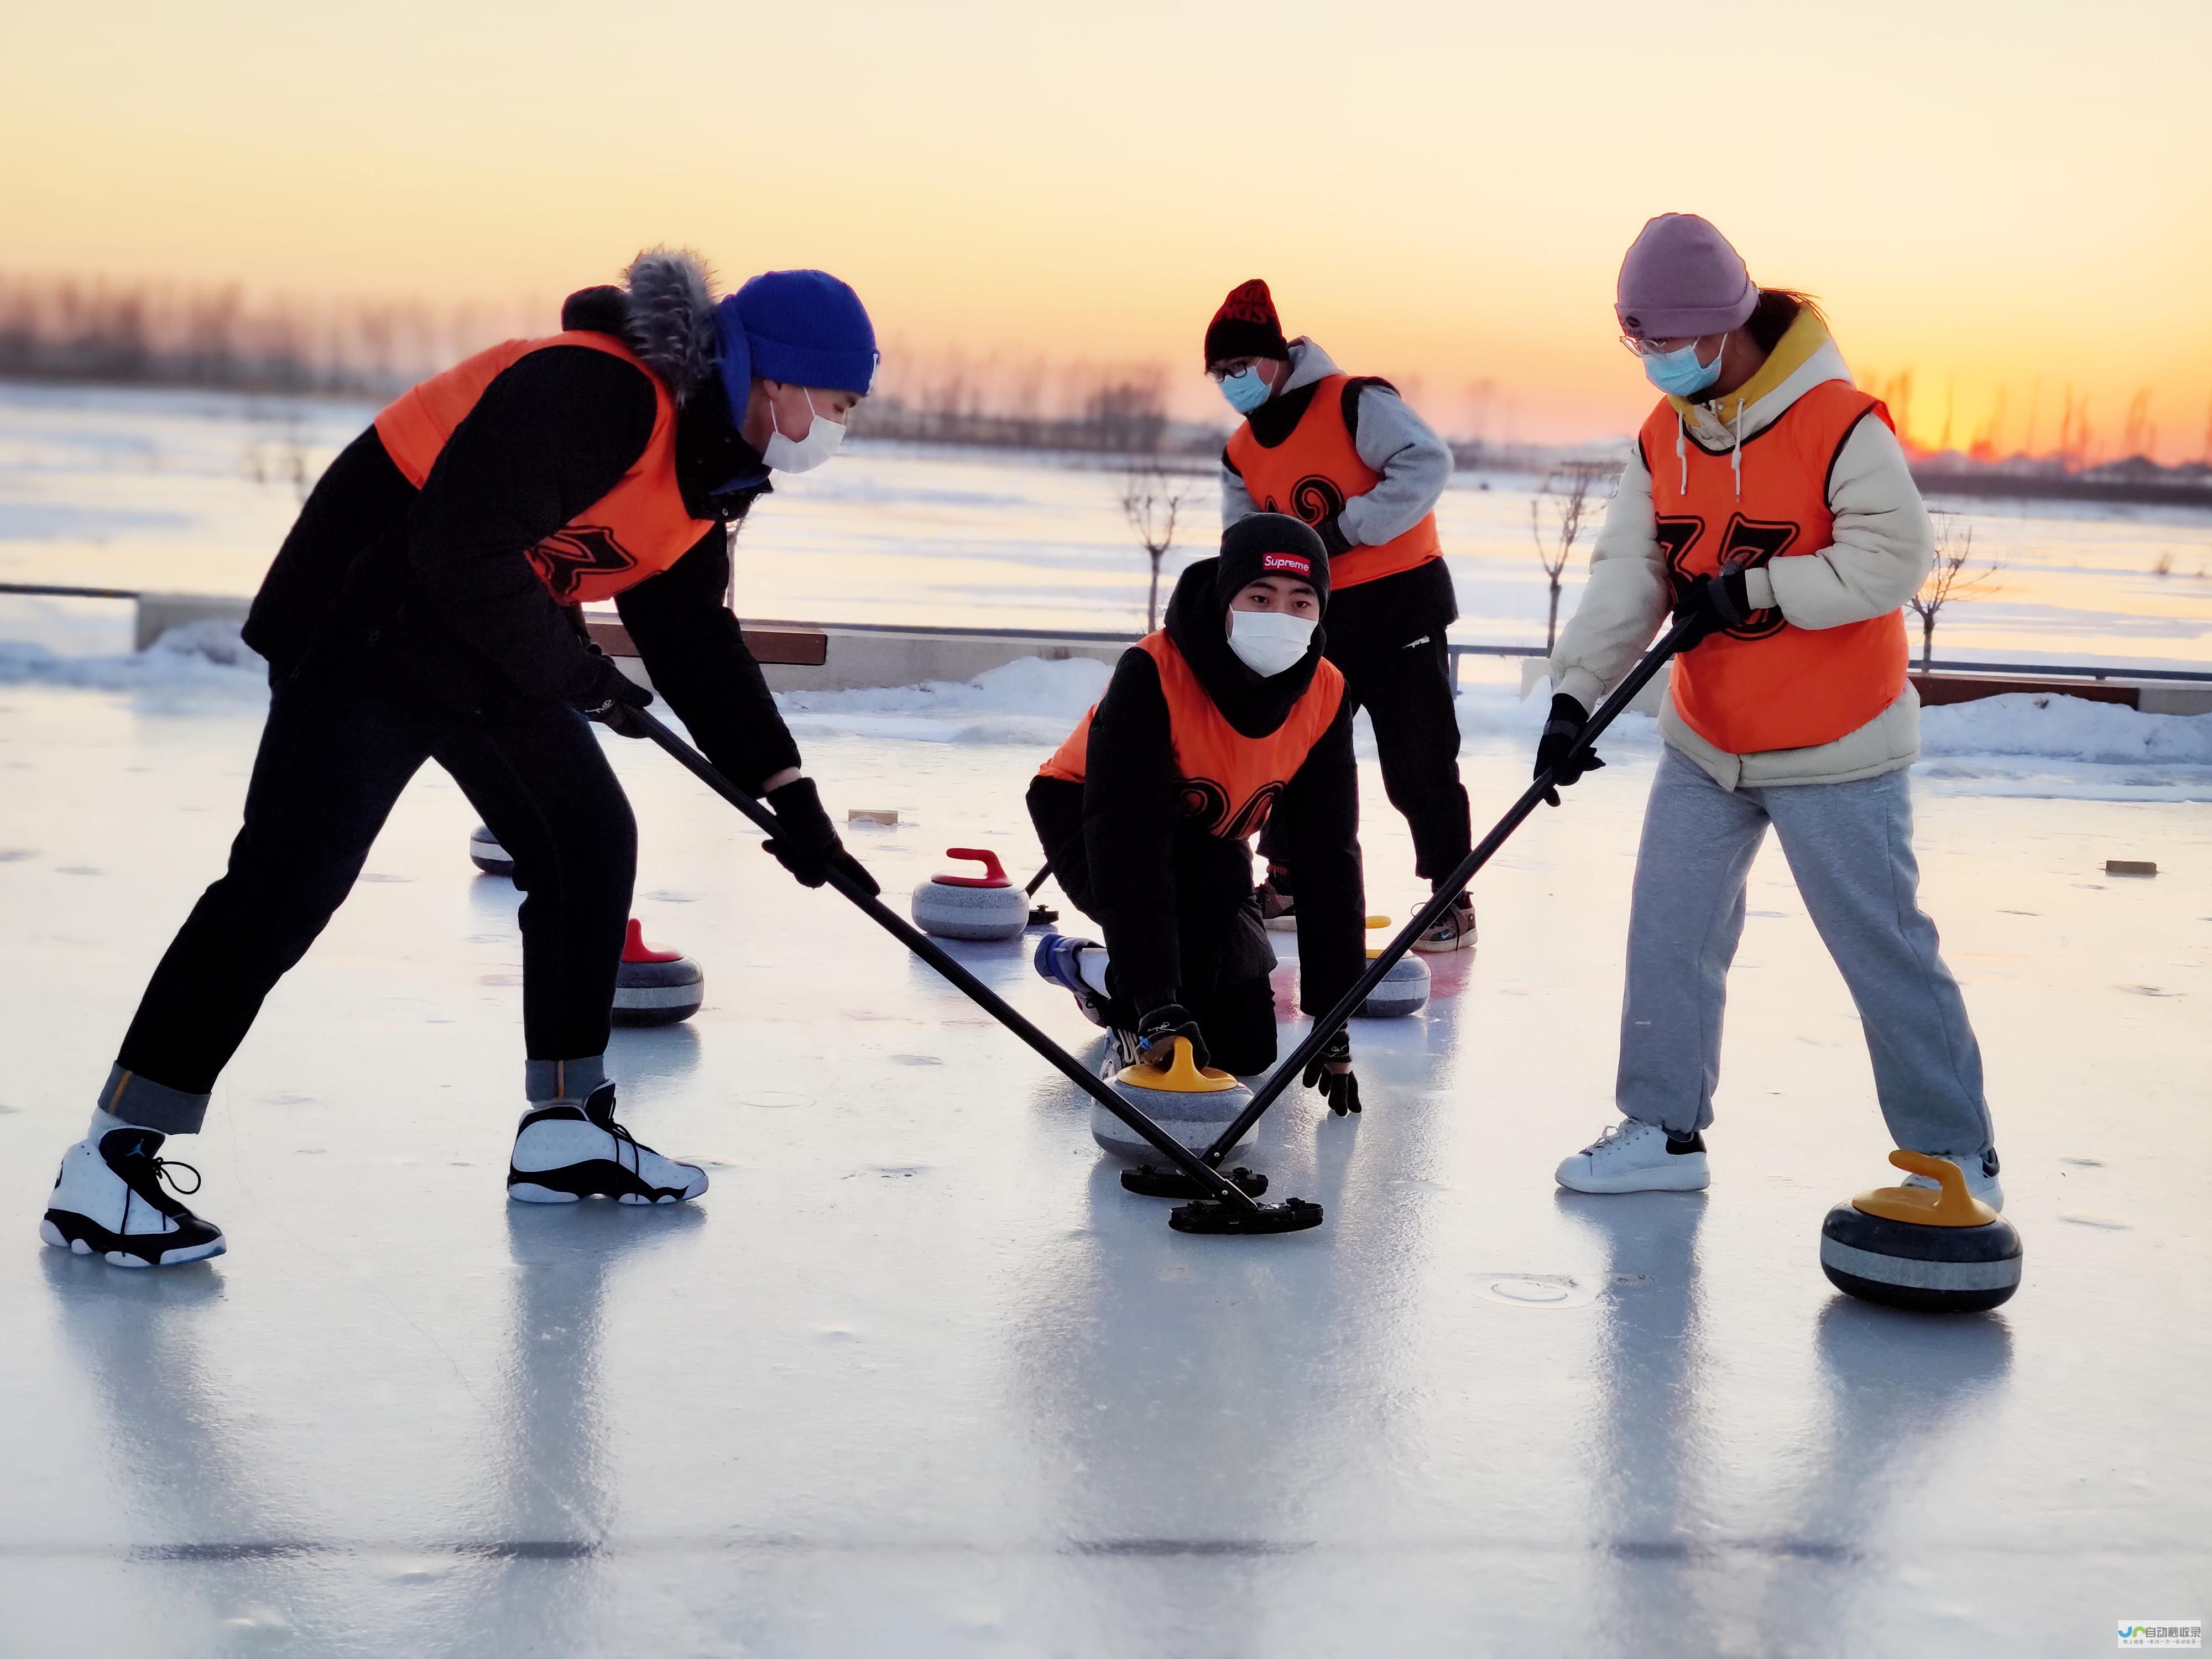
x=159, y=612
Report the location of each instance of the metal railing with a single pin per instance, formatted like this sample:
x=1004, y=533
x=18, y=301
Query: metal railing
x=1457, y=649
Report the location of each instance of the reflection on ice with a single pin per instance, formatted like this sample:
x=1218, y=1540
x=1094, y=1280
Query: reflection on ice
x=917, y=1376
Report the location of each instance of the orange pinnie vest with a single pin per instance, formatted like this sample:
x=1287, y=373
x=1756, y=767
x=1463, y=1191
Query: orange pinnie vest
x=1314, y=472
x=637, y=530
x=1230, y=782
x=1769, y=685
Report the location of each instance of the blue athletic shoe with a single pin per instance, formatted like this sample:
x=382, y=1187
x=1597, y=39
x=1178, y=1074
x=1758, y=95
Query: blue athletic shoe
x=1055, y=962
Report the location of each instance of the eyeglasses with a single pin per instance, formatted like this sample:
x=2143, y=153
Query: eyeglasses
x=1229, y=370
x=1646, y=348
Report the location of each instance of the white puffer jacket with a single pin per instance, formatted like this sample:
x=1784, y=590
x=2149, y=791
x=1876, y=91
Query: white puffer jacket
x=1883, y=546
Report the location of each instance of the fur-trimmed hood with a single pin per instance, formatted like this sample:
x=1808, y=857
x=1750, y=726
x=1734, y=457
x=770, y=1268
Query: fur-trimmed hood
x=671, y=316
x=665, y=313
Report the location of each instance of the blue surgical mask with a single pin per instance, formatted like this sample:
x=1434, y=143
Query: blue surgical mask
x=1245, y=390
x=1680, y=374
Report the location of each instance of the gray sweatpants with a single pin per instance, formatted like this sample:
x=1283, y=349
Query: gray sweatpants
x=1849, y=847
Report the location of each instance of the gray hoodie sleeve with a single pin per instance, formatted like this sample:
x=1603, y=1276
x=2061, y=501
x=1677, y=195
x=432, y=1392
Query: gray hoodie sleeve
x=1235, y=501
x=1415, y=462
x=1882, y=546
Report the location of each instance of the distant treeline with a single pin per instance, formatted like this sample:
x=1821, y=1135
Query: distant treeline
x=96, y=331
x=1124, y=419
x=2137, y=481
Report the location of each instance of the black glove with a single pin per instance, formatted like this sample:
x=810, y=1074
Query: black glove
x=808, y=845
x=1718, y=603
x=610, y=697
x=1333, y=541
x=1157, y=1030
x=1561, y=733
x=1339, y=1089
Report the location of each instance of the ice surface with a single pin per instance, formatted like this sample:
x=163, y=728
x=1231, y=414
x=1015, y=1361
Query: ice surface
x=916, y=1377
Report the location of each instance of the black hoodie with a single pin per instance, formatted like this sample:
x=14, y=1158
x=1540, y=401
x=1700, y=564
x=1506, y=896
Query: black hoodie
x=1175, y=902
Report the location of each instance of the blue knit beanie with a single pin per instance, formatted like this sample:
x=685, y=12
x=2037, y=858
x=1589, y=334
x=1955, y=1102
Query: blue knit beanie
x=804, y=327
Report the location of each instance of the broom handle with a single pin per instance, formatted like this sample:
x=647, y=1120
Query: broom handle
x=1333, y=1022
x=982, y=994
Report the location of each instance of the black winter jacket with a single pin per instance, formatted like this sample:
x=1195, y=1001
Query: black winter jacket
x=1175, y=901
x=431, y=593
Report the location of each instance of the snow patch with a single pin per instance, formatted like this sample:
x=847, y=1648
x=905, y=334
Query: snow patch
x=1029, y=702
x=2066, y=728
x=199, y=655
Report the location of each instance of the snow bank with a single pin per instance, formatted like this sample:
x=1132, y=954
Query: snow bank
x=195, y=656
x=1033, y=703
x=2066, y=728
x=1030, y=702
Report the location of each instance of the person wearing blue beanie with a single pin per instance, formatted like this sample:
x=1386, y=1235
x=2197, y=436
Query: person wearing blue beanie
x=425, y=608
x=797, y=352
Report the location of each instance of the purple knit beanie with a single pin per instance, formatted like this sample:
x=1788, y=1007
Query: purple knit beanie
x=1681, y=280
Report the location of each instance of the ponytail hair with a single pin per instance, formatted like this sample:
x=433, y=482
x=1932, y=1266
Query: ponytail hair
x=1778, y=307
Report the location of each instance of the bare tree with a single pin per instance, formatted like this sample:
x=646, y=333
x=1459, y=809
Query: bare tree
x=1568, y=488
x=1151, y=500
x=1946, y=578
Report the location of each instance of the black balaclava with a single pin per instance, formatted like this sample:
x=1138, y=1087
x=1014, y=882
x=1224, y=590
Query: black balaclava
x=1198, y=619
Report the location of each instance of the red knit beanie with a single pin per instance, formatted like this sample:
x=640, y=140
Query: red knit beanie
x=1245, y=326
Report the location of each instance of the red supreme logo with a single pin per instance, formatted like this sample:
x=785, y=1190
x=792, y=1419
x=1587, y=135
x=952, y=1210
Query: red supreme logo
x=1291, y=562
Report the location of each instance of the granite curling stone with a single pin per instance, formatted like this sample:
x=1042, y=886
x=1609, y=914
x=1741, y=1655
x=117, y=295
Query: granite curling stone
x=488, y=855
x=1193, y=1105
x=656, y=987
x=984, y=907
x=1404, y=989
x=1934, y=1251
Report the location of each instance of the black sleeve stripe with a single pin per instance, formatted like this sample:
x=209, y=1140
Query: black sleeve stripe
x=1828, y=482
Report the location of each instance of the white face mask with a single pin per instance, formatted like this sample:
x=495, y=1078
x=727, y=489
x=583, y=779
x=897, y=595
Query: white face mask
x=1269, y=642
x=801, y=454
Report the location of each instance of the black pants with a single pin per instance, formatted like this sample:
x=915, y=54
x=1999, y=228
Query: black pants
x=1407, y=693
x=332, y=762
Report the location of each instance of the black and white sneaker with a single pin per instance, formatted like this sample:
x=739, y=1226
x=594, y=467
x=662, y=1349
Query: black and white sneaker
x=1123, y=1051
x=108, y=1201
x=564, y=1151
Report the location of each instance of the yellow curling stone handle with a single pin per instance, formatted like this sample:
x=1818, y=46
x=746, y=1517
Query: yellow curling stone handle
x=1948, y=1205
x=1182, y=1077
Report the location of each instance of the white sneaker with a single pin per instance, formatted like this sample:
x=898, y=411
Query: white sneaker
x=108, y=1201
x=1981, y=1175
x=564, y=1151
x=1452, y=931
x=1636, y=1158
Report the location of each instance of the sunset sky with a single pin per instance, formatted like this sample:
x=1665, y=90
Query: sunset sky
x=1993, y=196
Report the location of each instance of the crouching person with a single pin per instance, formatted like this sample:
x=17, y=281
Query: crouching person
x=1227, y=718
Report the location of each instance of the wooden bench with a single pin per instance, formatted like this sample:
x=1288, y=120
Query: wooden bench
x=803, y=647
x=1936, y=689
